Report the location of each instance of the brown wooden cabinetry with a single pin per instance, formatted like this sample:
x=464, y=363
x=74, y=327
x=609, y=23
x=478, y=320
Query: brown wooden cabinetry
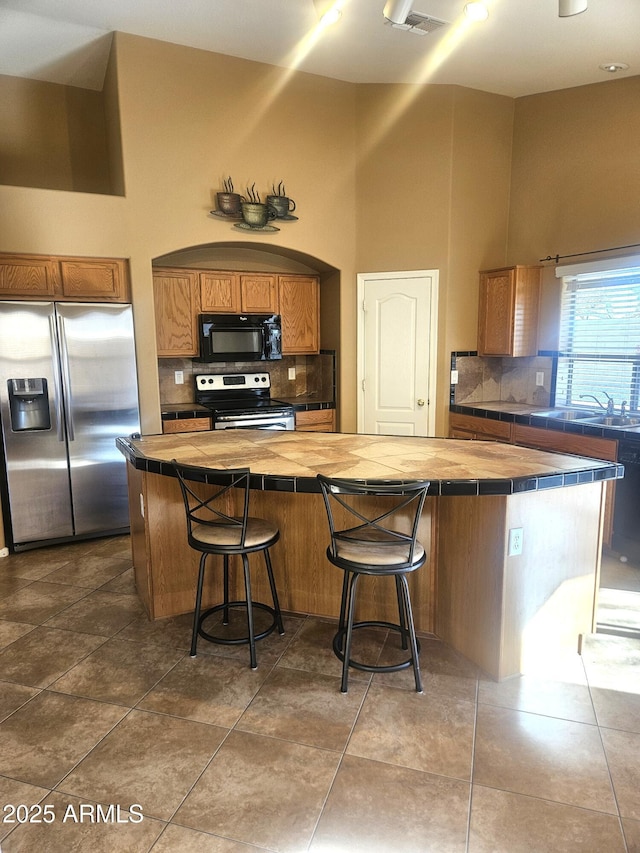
x=176, y=296
x=318, y=420
x=64, y=278
x=295, y=297
x=219, y=292
x=508, y=311
x=299, y=303
x=186, y=425
x=467, y=426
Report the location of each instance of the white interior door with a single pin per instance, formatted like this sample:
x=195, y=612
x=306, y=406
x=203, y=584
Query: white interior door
x=397, y=352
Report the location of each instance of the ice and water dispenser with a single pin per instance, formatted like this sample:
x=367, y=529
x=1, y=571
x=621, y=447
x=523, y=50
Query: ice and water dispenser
x=29, y=404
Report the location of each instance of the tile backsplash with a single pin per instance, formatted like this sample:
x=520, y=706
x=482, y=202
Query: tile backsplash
x=315, y=377
x=512, y=380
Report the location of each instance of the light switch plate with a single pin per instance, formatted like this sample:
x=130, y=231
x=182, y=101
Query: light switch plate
x=454, y=377
x=292, y=373
x=539, y=378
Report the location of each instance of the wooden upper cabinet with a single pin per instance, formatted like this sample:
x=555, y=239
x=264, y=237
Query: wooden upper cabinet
x=28, y=277
x=220, y=292
x=299, y=301
x=95, y=279
x=508, y=311
x=259, y=294
x=64, y=279
x=176, y=296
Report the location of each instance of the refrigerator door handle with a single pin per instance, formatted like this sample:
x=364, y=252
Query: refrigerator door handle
x=57, y=382
x=66, y=379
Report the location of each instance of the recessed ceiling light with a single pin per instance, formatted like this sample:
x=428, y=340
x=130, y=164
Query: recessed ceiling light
x=476, y=11
x=614, y=67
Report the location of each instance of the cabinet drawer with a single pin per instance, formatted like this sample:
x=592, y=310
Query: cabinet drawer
x=186, y=425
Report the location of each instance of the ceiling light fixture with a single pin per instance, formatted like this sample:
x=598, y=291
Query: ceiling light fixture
x=328, y=11
x=614, y=67
x=476, y=11
x=566, y=8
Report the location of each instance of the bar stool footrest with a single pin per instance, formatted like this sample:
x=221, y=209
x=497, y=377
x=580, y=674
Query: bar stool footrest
x=338, y=643
x=236, y=641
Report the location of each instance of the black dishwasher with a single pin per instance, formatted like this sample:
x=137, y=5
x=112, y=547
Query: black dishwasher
x=626, y=512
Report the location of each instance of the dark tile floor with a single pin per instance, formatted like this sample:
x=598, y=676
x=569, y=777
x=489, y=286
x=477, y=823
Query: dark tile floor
x=100, y=706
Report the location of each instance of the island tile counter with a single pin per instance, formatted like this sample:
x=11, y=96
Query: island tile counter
x=498, y=609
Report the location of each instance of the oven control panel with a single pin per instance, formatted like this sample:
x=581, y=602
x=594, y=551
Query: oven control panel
x=232, y=381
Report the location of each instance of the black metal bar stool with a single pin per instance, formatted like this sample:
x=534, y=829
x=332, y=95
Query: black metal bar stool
x=372, y=546
x=212, y=528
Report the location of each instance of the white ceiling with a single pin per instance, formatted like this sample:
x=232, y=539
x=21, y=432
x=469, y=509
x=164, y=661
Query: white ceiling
x=523, y=48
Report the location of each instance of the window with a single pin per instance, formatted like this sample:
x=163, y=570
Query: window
x=599, y=335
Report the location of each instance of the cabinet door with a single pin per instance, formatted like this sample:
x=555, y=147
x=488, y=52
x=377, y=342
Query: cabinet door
x=28, y=277
x=176, y=296
x=95, y=279
x=321, y=420
x=259, y=294
x=220, y=292
x=299, y=299
x=508, y=311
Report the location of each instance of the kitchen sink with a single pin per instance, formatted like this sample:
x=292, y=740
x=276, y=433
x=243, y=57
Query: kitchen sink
x=565, y=414
x=613, y=421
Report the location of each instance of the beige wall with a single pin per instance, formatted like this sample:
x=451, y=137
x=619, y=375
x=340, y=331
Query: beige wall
x=433, y=193
x=576, y=180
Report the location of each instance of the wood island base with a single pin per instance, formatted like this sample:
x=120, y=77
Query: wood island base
x=502, y=612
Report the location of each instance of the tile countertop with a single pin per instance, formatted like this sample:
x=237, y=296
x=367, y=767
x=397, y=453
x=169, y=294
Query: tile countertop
x=289, y=461
x=522, y=413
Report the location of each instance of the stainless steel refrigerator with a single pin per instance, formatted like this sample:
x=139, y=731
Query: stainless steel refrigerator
x=68, y=389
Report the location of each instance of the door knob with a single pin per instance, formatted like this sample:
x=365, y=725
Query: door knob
x=421, y=402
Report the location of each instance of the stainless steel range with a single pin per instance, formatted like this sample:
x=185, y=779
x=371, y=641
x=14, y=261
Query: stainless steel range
x=242, y=401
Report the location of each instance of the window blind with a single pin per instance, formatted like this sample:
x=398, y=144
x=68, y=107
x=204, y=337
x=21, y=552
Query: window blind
x=600, y=337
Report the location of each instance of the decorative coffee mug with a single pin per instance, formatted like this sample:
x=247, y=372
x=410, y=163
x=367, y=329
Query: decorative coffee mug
x=229, y=203
x=256, y=214
x=282, y=205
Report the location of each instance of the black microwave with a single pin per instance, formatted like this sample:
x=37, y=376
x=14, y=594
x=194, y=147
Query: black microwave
x=240, y=337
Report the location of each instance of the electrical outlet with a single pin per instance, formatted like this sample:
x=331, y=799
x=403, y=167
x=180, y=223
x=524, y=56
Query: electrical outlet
x=178, y=377
x=4, y=552
x=292, y=373
x=515, y=542
x=539, y=378
x=454, y=377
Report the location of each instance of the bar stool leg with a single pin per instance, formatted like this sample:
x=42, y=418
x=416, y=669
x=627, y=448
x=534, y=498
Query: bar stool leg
x=274, y=592
x=247, y=587
x=402, y=616
x=412, y=634
x=225, y=576
x=196, y=612
x=351, y=596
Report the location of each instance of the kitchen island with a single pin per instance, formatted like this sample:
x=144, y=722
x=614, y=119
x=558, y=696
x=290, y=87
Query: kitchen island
x=496, y=608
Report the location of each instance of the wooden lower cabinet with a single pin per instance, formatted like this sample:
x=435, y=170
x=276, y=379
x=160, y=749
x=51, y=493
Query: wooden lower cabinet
x=486, y=429
x=594, y=447
x=318, y=420
x=64, y=278
x=186, y=425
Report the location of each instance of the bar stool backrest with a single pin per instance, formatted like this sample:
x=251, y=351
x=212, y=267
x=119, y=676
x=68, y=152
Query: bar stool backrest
x=216, y=510
x=376, y=527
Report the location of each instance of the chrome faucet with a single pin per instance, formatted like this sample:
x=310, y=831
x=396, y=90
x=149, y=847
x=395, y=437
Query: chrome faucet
x=608, y=408
x=623, y=409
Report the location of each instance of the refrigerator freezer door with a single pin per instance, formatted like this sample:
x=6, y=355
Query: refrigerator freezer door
x=37, y=476
x=98, y=364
